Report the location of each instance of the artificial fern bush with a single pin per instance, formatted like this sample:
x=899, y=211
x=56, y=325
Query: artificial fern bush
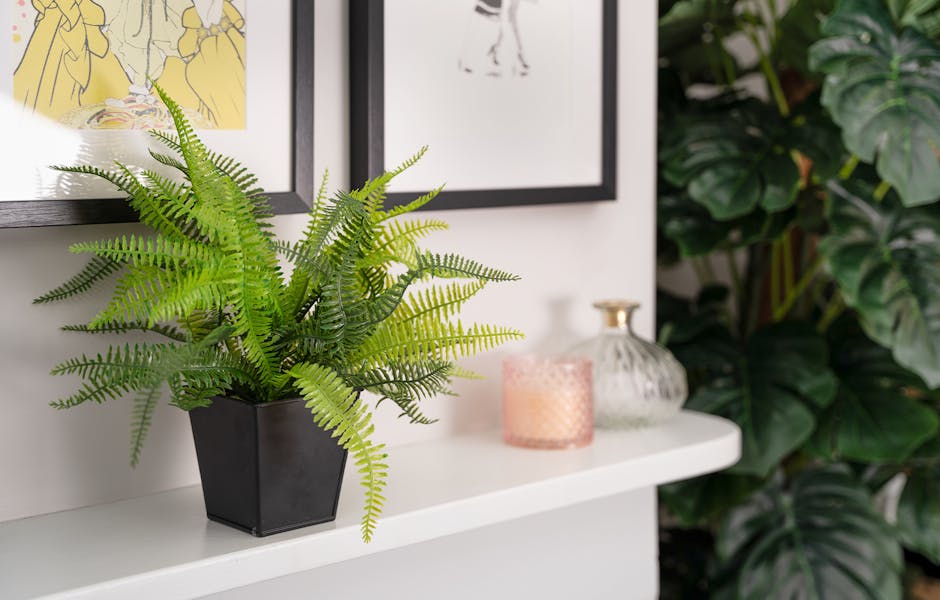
x=208, y=282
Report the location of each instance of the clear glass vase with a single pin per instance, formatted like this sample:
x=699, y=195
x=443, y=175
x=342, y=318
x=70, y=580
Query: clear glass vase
x=636, y=382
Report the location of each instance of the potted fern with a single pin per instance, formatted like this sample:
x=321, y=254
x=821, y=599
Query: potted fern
x=271, y=366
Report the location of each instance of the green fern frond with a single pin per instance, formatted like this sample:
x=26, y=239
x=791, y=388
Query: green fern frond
x=150, y=206
x=225, y=165
x=320, y=198
x=462, y=373
x=118, y=180
x=155, y=251
x=409, y=162
x=145, y=402
x=453, y=266
x=97, y=269
x=154, y=296
x=169, y=161
x=125, y=327
x=336, y=408
x=409, y=207
x=414, y=341
x=406, y=384
x=440, y=303
x=398, y=241
x=112, y=375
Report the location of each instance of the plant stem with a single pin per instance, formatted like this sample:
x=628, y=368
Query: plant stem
x=881, y=191
x=724, y=57
x=848, y=168
x=773, y=81
x=709, y=270
x=835, y=308
x=774, y=28
x=735, y=274
x=801, y=286
x=699, y=272
x=774, y=275
x=756, y=272
x=786, y=248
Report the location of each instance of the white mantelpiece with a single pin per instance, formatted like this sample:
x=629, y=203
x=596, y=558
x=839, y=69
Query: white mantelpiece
x=162, y=547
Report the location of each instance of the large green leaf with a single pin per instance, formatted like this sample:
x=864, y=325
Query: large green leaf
x=736, y=157
x=690, y=226
x=772, y=389
x=886, y=260
x=688, y=21
x=701, y=499
x=818, y=539
x=919, y=512
x=800, y=27
x=883, y=89
x=876, y=415
x=920, y=14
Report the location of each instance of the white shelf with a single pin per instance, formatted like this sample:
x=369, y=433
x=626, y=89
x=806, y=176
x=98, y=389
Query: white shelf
x=162, y=546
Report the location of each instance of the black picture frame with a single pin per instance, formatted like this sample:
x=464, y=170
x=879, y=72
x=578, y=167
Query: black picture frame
x=367, y=119
x=38, y=213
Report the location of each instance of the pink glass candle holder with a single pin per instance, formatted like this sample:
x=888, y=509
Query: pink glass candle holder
x=547, y=402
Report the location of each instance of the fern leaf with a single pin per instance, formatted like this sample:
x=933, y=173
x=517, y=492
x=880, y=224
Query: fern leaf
x=153, y=296
x=451, y=265
x=125, y=327
x=462, y=373
x=110, y=376
x=436, y=302
x=412, y=206
x=409, y=162
x=414, y=341
x=406, y=384
x=118, y=180
x=336, y=407
x=144, y=404
x=397, y=241
x=97, y=269
x=157, y=251
x=320, y=198
x=170, y=161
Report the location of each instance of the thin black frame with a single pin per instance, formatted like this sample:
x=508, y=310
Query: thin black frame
x=36, y=213
x=367, y=118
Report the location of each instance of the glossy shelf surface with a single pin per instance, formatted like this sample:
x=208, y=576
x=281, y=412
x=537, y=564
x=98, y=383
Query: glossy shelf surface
x=162, y=546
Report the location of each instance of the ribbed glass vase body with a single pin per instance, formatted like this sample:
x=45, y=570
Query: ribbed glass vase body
x=636, y=382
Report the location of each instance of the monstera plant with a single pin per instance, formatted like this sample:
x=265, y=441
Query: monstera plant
x=799, y=146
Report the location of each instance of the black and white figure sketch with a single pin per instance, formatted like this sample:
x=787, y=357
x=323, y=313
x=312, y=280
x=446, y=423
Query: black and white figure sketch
x=515, y=99
x=486, y=50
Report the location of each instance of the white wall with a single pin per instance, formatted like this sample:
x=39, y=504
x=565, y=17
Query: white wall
x=568, y=256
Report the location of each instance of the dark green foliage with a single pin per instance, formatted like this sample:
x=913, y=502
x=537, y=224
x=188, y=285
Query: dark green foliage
x=919, y=508
x=920, y=14
x=800, y=27
x=737, y=157
x=817, y=538
x=881, y=88
x=799, y=179
x=772, y=389
x=886, y=260
x=208, y=278
x=879, y=413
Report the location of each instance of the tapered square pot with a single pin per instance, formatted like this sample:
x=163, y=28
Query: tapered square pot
x=266, y=468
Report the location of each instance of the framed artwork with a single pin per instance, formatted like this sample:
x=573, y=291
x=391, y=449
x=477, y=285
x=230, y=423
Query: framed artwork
x=78, y=89
x=515, y=99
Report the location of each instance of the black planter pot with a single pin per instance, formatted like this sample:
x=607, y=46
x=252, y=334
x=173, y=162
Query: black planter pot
x=266, y=468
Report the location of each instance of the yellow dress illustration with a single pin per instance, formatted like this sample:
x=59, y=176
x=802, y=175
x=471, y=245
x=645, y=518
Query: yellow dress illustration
x=67, y=62
x=90, y=63
x=214, y=57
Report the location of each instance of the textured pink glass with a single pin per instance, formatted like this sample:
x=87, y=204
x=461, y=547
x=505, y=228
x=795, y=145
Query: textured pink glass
x=547, y=402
